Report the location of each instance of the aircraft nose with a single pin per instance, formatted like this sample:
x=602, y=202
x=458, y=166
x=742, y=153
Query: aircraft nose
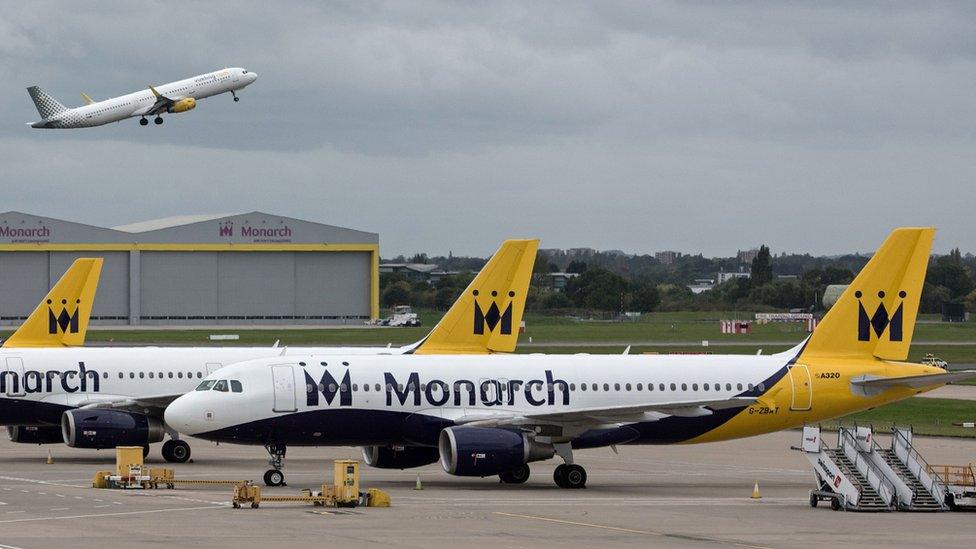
x=186, y=414
x=252, y=76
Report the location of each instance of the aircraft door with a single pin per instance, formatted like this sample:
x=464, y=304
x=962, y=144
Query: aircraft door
x=802, y=388
x=284, y=388
x=15, y=376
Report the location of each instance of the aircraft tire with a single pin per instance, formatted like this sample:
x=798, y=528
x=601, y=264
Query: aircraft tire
x=574, y=477
x=176, y=451
x=143, y=121
x=236, y=99
x=145, y=451
x=559, y=476
x=516, y=476
x=158, y=120
x=274, y=477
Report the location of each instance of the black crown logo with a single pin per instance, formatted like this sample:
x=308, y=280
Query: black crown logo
x=64, y=321
x=494, y=317
x=880, y=320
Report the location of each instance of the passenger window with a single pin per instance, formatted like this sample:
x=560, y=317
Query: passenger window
x=694, y=386
x=236, y=386
x=705, y=387
x=728, y=386
x=684, y=386
x=606, y=386
x=627, y=386
x=104, y=375
x=179, y=375
x=366, y=387
x=738, y=386
x=121, y=375
x=377, y=387
x=660, y=387
x=572, y=386
x=142, y=375
x=582, y=386
x=170, y=375
x=206, y=385
x=640, y=386
x=332, y=387
x=220, y=386
x=674, y=387
x=616, y=386
x=593, y=386
x=199, y=375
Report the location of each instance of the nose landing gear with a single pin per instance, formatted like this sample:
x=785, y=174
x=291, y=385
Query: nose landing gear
x=274, y=476
x=236, y=99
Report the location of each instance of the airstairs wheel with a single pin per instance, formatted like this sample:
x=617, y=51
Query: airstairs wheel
x=835, y=504
x=814, y=499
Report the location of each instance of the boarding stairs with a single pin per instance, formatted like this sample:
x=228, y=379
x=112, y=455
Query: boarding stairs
x=861, y=475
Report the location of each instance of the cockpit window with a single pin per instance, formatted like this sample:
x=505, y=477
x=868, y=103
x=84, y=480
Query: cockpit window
x=236, y=386
x=220, y=385
x=206, y=385
x=245, y=71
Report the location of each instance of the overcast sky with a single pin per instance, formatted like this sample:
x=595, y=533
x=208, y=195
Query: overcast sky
x=701, y=127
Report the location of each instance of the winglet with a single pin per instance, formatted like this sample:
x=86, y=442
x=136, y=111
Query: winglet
x=487, y=316
x=156, y=93
x=88, y=100
x=61, y=319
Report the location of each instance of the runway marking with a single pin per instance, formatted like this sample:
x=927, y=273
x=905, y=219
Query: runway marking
x=632, y=531
x=2, y=546
x=122, y=513
x=15, y=512
x=61, y=508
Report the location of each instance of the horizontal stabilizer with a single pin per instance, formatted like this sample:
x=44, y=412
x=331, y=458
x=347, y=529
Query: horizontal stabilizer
x=915, y=382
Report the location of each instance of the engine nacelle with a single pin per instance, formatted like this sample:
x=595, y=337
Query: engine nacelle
x=183, y=105
x=482, y=451
x=109, y=428
x=405, y=457
x=26, y=434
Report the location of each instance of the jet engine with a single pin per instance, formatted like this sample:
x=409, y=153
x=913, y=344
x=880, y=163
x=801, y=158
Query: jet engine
x=25, y=434
x=183, y=105
x=109, y=428
x=403, y=457
x=483, y=451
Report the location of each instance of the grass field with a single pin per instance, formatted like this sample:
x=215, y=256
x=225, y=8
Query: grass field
x=928, y=416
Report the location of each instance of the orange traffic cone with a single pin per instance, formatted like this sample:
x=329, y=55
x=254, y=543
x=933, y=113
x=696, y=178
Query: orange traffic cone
x=50, y=458
x=755, y=491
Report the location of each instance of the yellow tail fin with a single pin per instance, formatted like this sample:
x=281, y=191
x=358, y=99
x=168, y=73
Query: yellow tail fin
x=61, y=320
x=487, y=316
x=875, y=316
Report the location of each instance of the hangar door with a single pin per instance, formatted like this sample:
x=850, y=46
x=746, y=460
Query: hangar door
x=112, y=295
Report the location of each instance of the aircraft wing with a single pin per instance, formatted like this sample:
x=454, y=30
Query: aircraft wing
x=597, y=416
x=152, y=405
x=162, y=103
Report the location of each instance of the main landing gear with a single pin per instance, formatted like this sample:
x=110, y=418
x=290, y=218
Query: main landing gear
x=176, y=451
x=274, y=476
x=143, y=121
x=158, y=120
x=516, y=476
x=236, y=99
x=568, y=474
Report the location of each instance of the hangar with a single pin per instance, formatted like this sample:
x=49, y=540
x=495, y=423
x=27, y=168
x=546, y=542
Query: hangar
x=244, y=269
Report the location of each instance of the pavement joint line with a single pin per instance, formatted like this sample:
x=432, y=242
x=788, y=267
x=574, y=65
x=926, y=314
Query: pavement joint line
x=633, y=531
x=2, y=546
x=121, y=513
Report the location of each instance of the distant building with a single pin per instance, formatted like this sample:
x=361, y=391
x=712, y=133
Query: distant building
x=747, y=256
x=415, y=272
x=725, y=277
x=667, y=257
x=558, y=281
x=787, y=277
x=580, y=252
x=701, y=285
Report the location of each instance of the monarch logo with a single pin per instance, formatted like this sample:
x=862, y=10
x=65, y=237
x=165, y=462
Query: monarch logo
x=226, y=228
x=880, y=320
x=63, y=322
x=329, y=387
x=493, y=316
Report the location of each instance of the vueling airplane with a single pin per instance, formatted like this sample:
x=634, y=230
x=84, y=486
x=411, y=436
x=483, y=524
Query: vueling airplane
x=492, y=415
x=91, y=397
x=179, y=96
x=72, y=297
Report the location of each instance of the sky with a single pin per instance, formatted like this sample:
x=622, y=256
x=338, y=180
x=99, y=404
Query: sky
x=702, y=127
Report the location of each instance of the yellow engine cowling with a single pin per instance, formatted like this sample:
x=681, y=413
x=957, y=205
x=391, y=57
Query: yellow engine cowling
x=183, y=105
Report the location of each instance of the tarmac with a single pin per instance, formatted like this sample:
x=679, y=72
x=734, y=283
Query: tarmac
x=664, y=496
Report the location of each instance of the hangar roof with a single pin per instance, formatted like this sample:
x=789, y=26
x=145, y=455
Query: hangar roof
x=245, y=228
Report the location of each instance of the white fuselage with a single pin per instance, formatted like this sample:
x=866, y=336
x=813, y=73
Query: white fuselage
x=452, y=388
x=138, y=103
x=37, y=385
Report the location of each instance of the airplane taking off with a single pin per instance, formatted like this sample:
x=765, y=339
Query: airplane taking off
x=179, y=96
x=492, y=415
x=90, y=397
